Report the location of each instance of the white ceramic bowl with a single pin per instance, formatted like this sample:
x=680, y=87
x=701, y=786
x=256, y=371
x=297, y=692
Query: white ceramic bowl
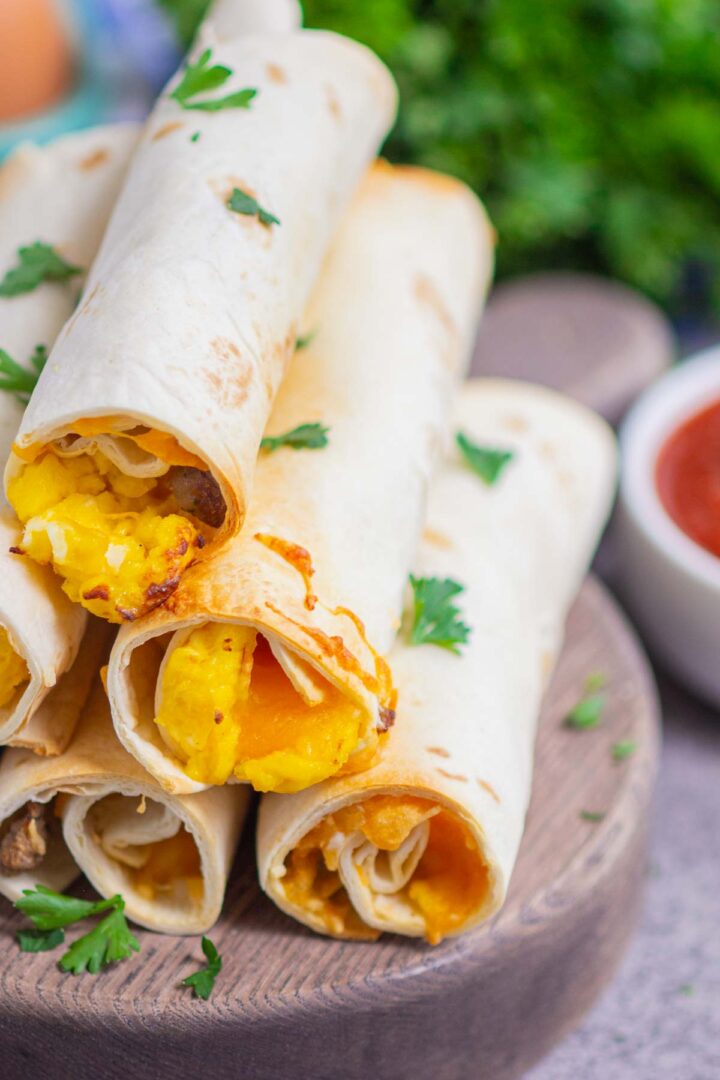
x=670, y=583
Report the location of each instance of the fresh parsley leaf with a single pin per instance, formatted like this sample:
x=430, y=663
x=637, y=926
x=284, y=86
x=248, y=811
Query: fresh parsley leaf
x=201, y=78
x=48, y=910
x=37, y=263
x=195, y=137
x=587, y=713
x=435, y=618
x=18, y=380
x=624, y=749
x=305, y=340
x=203, y=981
x=303, y=437
x=486, y=461
x=242, y=203
x=35, y=941
x=107, y=943
x=592, y=815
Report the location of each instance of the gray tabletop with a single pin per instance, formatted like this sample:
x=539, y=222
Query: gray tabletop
x=660, y=1018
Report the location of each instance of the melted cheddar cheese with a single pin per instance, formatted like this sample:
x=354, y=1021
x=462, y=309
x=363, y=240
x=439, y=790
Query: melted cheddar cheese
x=170, y=863
x=13, y=670
x=228, y=709
x=448, y=884
x=114, y=539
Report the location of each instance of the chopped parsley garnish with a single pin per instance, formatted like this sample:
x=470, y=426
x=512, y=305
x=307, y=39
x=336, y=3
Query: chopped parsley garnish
x=195, y=137
x=110, y=940
x=203, y=77
x=39, y=940
x=436, y=619
x=203, y=980
x=488, y=462
x=592, y=815
x=588, y=711
x=624, y=749
x=303, y=437
x=687, y=990
x=37, y=263
x=242, y=203
x=305, y=340
x=15, y=379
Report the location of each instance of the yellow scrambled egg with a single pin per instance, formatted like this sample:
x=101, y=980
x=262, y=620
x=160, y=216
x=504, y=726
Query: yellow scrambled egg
x=114, y=539
x=13, y=670
x=227, y=709
x=448, y=884
x=170, y=863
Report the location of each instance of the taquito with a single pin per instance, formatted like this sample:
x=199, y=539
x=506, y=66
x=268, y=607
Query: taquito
x=268, y=660
x=425, y=841
x=230, y=17
x=55, y=199
x=95, y=811
x=137, y=452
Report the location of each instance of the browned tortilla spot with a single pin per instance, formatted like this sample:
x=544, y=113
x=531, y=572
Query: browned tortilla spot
x=452, y=776
x=98, y=157
x=332, y=102
x=276, y=74
x=427, y=293
x=516, y=423
x=439, y=750
x=167, y=129
x=437, y=539
x=490, y=790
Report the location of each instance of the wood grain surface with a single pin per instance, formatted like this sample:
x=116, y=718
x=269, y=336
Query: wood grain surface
x=291, y=1005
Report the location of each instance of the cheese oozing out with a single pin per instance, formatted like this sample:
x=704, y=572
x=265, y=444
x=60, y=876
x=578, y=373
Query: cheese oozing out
x=120, y=543
x=226, y=709
x=14, y=673
x=408, y=854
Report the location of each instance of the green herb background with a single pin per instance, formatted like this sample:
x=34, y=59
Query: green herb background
x=590, y=127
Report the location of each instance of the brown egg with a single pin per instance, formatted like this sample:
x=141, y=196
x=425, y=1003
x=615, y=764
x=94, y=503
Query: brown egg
x=36, y=66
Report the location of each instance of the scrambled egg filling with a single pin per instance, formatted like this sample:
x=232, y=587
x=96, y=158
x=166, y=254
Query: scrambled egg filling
x=170, y=863
x=13, y=670
x=114, y=539
x=449, y=882
x=228, y=709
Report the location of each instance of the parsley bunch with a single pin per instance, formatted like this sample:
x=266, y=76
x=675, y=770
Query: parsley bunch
x=109, y=941
x=590, y=127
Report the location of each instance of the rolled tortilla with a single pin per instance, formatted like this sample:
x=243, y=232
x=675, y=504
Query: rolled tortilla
x=273, y=671
x=228, y=18
x=143, y=433
x=61, y=195
x=95, y=811
x=425, y=841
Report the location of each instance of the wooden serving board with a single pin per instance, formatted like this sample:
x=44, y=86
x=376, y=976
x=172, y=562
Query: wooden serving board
x=290, y=1005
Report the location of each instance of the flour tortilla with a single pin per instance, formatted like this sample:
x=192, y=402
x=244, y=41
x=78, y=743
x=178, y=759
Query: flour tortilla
x=229, y=18
x=191, y=310
x=61, y=194
x=394, y=318
x=94, y=768
x=466, y=725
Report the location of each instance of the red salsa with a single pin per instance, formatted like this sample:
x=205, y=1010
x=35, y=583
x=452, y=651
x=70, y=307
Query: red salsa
x=688, y=477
